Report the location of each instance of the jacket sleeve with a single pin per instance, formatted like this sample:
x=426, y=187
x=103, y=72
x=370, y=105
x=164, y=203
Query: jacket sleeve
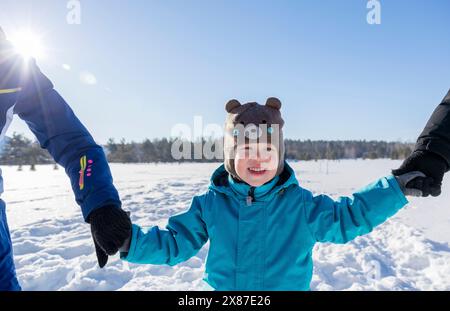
x=184, y=236
x=436, y=135
x=60, y=132
x=343, y=220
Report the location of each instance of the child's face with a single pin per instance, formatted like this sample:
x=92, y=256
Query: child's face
x=256, y=163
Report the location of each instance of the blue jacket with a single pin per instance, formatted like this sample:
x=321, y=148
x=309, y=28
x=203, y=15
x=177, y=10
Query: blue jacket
x=264, y=243
x=25, y=91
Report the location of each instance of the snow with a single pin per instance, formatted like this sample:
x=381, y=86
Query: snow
x=53, y=247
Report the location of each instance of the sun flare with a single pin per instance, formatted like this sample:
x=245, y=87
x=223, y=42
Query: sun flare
x=28, y=44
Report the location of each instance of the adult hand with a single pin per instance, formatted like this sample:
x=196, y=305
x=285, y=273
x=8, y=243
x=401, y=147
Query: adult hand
x=111, y=228
x=432, y=165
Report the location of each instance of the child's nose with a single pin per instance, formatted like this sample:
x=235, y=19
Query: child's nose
x=263, y=156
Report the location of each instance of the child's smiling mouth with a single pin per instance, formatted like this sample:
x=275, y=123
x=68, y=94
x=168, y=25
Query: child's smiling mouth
x=257, y=171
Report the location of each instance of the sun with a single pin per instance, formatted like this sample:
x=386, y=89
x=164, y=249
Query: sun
x=28, y=44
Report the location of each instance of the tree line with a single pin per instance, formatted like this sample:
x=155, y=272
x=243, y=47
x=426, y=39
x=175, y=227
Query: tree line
x=19, y=150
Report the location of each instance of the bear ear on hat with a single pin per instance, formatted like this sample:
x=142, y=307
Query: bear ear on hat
x=273, y=102
x=232, y=104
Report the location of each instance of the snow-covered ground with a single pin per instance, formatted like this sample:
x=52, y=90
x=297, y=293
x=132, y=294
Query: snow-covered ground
x=53, y=248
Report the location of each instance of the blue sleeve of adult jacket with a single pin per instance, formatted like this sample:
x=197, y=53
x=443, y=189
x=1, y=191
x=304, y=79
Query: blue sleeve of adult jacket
x=60, y=132
x=184, y=236
x=343, y=220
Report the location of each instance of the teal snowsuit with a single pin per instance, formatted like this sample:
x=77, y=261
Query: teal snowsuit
x=263, y=241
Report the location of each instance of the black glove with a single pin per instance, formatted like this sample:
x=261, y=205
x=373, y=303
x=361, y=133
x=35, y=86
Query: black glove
x=429, y=163
x=111, y=228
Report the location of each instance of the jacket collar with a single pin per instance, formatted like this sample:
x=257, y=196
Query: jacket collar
x=242, y=189
x=222, y=182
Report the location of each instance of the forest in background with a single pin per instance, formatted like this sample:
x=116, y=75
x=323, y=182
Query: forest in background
x=19, y=150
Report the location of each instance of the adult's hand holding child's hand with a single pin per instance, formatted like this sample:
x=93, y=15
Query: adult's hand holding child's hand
x=409, y=183
x=432, y=165
x=111, y=230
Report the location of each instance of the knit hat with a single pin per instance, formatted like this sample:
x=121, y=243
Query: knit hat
x=251, y=123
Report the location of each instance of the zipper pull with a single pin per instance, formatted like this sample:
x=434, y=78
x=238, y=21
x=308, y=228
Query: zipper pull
x=251, y=196
x=249, y=200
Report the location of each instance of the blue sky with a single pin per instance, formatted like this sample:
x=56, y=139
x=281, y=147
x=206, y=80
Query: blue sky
x=159, y=63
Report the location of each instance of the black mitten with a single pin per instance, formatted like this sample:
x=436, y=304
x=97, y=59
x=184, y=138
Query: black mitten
x=111, y=228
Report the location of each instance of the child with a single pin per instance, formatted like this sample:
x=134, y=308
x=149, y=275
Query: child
x=261, y=224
